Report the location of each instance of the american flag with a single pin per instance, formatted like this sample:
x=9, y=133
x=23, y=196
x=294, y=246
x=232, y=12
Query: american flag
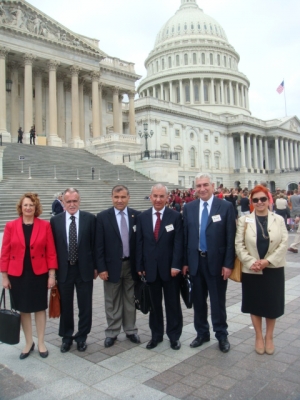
x=280, y=88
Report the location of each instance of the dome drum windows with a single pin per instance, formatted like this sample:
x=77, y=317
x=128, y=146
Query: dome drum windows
x=211, y=59
x=186, y=59
x=163, y=63
x=219, y=59
x=194, y=58
x=203, y=58
x=170, y=61
x=187, y=93
x=177, y=60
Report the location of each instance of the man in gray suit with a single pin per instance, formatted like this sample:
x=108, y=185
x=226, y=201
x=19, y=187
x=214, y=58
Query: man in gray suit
x=115, y=259
x=74, y=236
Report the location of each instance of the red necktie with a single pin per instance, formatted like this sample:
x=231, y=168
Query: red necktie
x=157, y=226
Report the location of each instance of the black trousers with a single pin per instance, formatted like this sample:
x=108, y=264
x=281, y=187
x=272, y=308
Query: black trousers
x=204, y=283
x=84, y=291
x=171, y=290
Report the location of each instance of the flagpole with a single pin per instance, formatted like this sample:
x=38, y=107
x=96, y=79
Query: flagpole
x=284, y=98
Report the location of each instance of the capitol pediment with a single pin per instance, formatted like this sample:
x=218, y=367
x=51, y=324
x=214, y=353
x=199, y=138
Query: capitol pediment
x=20, y=16
x=292, y=124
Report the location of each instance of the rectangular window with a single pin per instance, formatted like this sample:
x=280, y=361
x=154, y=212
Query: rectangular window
x=156, y=66
x=177, y=61
x=177, y=94
x=205, y=92
x=187, y=93
x=196, y=92
x=211, y=59
x=194, y=58
x=206, y=138
x=170, y=62
x=216, y=139
x=164, y=131
x=163, y=63
x=219, y=60
x=203, y=58
x=186, y=59
x=109, y=107
x=225, y=61
x=177, y=132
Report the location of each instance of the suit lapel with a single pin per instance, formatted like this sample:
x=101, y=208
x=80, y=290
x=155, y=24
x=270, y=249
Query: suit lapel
x=213, y=211
x=19, y=229
x=35, y=230
x=113, y=220
x=81, y=225
x=131, y=221
x=164, y=222
x=251, y=225
x=62, y=226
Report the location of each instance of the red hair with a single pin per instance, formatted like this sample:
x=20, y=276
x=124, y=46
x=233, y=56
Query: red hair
x=260, y=188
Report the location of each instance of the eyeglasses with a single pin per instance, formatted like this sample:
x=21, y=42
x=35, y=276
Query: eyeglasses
x=261, y=199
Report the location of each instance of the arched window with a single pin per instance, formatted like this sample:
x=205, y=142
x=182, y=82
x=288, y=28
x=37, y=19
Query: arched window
x=203, y=58
x=206, y=161
x=194, y=58
x=193, y=157
x=219, y=60
x=217, y=160
x=170, y=62
x=211, y=59
x=156, y=66
x=225, y=62
x=186, y=59
x=187, y=93
x=177, y=60
x=163, y=63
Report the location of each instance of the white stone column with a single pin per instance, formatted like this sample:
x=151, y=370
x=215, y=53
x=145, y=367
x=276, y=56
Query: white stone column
x=277, y=162
x=296, y=154
x=231, y=152
x=61, y=107
x=6, y=137
x=287, y=158
x=95, y=75
x=28, y=107
x=222, y=92
x=255, y=152
x=121, y=114
x=243, y=157
x=38, y=85
x=131, y=113
x=242, y=98
x=53, y=139
x=267, y=166
x=201, y=91
x=181, y=91
x=261, y=156
x=247, y=98
x=116, y=109
x=192, y=95
x=148, y=92
x=212, y=91
x=75, y=142
x=171, y=91
x=81, y=82
x=292, y=155
x=14, y=105
x=249, y=151
x=237, y=94
x=100, y=108
x=282, y=153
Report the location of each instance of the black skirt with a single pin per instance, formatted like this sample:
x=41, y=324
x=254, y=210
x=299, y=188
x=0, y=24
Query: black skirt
x=29, y=291
x=263, y=295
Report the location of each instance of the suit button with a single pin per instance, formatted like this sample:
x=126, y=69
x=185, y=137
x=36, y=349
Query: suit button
x=32, y=257
x=31, y=247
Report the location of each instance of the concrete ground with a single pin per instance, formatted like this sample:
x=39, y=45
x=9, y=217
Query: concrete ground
x=128, y=371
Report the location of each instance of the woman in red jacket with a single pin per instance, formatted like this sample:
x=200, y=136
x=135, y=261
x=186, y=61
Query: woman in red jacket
x=28, y=262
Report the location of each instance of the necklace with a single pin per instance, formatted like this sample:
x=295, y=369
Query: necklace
x=262, y=227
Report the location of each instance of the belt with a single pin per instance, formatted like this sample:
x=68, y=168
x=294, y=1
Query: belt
x=203, y=253
x=73, y=263
x=125, y=258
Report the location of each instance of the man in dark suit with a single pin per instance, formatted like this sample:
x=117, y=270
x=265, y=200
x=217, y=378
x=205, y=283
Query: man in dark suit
x=74, y=236
x=160, y=259
x=115, y=259
x=209, y=233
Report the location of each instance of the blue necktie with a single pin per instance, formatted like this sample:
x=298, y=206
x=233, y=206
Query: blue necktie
x=204, y=218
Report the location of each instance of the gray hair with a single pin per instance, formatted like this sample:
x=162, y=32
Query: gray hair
x=71, y=190
x=159, y=186
x=204, y=175
x=119, y=188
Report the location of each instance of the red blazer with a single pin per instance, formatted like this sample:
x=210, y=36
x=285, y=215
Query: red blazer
x=42, y=249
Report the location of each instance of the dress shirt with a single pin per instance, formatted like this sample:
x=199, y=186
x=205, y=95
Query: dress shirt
x=209, y=204
x=154, y=216
x=68, y=222
x=118, y=217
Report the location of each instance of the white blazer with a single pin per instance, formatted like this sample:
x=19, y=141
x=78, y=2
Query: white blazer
x=245, y=242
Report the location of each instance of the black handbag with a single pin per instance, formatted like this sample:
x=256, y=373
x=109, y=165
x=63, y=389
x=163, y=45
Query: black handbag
x=186, y=291
x=10, y=322
x=142, y=296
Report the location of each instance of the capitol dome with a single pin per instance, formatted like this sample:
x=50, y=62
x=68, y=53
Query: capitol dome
x=193, y=64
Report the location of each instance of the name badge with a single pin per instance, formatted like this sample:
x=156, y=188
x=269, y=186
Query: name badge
x=134, y=228
x=249, y=220
x=169, y=228
x=216, y=218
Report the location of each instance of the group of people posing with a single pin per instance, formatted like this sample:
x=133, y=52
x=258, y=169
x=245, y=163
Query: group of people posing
x=121, y=244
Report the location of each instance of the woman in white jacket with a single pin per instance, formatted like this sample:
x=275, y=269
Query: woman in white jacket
x=261, y=244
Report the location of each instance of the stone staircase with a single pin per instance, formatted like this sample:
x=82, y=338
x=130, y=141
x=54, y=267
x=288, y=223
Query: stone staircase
x=47, y=170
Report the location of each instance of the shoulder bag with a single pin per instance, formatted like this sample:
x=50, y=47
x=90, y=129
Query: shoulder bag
x=54, y=303
x=10, y=322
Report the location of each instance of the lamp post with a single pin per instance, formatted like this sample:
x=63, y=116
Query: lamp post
x=146, y=135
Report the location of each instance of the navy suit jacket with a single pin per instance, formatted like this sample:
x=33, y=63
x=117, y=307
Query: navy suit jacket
x=165, y=253
x=86, y=239
x=220, y=236
x=109, y=247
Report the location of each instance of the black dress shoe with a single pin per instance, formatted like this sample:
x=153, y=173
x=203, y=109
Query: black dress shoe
x=25, y=355
x=109, y=341
x=65, y=347
x=199, y=341
x=81, y=346
x=134, y=338
x=153, y=343
x=175, y=345
x=224, y=345
x=44, y=354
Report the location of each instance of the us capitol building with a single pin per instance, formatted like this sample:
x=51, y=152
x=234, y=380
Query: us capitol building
x=193, y=102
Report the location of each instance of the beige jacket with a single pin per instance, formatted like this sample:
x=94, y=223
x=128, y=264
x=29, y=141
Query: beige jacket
x=245, y=242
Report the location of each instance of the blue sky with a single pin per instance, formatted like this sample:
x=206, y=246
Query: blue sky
x=265, y=33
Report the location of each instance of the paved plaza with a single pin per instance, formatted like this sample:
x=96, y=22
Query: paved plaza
x=129, y=371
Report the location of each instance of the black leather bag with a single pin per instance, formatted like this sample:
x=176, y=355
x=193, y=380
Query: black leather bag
x=186, y=291
x=142, y=296
x=10, y=322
